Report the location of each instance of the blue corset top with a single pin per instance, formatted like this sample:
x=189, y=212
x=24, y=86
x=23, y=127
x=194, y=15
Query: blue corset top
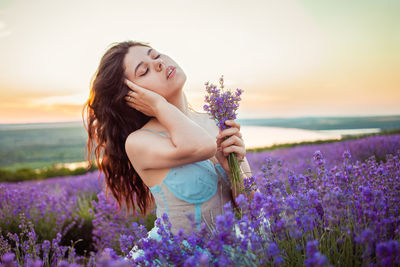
x=194, y=182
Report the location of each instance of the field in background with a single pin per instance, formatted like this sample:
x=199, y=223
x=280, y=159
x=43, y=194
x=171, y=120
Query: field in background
x=340, y=199
x=45, y=144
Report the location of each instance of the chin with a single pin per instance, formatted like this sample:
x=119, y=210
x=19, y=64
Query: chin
x=180, y=80
x=177, y=85
x=181, y=76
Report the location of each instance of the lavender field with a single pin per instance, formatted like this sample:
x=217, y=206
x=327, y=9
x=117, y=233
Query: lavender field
x=333, y=204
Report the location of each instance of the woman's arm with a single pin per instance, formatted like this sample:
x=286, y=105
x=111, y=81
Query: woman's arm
x=186, y=135
x=188, y=141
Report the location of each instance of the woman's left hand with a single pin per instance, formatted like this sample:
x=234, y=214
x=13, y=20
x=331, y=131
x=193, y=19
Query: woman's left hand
x=234, y=143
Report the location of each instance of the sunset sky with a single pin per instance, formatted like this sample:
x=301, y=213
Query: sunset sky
x=292, y=58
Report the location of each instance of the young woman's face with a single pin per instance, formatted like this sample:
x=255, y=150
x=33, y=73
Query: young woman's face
x=148, y=68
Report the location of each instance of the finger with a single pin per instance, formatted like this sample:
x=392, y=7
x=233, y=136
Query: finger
x=233, y=140
x=135, y=106
x=219, y=141
x=239, y=134
x=240, y=154
x=239, y=151
x=219, y=148
x=130, y=99
x=132, y=94
x=229, y=132
x=232, y=123
x=232, y=132
x=132, y=85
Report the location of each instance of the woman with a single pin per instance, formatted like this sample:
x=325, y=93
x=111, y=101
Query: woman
x=154, y=147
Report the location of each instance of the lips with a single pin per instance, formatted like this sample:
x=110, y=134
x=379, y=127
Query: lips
x=168, y=69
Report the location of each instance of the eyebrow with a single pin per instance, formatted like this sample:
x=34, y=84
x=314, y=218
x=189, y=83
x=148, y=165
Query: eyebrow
x=141, y=62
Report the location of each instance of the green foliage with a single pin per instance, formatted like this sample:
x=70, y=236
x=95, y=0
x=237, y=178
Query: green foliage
x=25, y=174
x=149, y=221
x=42, y=145
x=78, y=228
x=327, y=123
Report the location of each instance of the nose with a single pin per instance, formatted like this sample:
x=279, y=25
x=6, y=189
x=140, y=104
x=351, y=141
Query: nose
x=158, y=64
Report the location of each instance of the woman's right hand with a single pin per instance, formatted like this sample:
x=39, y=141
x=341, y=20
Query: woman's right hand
x=142, y=99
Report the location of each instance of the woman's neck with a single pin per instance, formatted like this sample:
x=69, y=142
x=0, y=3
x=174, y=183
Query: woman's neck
x=179, y=101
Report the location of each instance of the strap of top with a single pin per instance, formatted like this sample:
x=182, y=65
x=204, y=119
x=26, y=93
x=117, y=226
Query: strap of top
x=154, y=131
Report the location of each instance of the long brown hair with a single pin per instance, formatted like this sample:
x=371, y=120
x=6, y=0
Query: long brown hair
x=109, y=122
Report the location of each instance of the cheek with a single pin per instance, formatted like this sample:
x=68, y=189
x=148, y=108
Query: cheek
x=153, y=84
x=161, y=89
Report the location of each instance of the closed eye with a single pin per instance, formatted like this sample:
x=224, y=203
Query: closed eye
x=147, y=68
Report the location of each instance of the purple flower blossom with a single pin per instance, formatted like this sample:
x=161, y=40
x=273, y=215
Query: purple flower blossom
x=388, y=253
x=351, y=203
x=8, y=258
x=221, y=105
x=273, y=249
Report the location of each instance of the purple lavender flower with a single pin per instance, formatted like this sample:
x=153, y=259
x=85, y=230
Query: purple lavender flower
x=8, y=258
x=388, y=253
x=273, y=249
x=351, y=203
x=221, y=105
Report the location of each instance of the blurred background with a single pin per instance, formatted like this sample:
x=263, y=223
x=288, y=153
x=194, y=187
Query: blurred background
x=310, y=70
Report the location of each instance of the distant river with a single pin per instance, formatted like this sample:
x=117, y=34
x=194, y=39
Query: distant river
x=261, y=136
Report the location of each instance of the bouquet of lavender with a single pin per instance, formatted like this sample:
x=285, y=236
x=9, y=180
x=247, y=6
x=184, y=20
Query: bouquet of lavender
x=222, y=105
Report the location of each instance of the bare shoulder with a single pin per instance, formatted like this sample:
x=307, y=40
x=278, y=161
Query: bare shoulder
x=137, y=143
x=140, y=139
x=133, y=142
x=135, y=137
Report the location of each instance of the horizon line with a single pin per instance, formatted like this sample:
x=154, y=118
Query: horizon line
x=245, y=118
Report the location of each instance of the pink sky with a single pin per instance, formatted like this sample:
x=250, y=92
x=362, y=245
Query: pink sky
x=291, y=58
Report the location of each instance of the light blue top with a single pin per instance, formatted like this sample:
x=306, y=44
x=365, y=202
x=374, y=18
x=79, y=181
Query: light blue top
x=194, y=182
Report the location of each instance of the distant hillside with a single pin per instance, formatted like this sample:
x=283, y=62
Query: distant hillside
x=40, y=144
x=328, y=123
x=36, y=147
